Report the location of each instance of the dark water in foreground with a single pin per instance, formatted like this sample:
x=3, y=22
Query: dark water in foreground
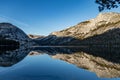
x=19, y=65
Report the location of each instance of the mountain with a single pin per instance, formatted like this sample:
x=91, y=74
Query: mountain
x=105, y=24
x=102, y=30
x=102, y=23
x=13, y=36
x=35, y=36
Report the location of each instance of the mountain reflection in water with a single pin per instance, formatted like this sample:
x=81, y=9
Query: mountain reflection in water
x=104, y=61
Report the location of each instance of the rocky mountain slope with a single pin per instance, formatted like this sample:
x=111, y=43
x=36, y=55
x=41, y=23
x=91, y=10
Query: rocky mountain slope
x=12, y=35
x=102, y=29
x=102, y=24
x=35, y=36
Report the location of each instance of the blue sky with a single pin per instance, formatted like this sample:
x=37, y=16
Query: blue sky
x=45, y=16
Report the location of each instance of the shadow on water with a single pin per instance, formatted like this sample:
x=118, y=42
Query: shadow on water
x=8, y=45
x=105, y=45
x=10, y=56
x=104, y=61
x=111, y=54
x=108, y=53
x=99, y=58
x=92, y=46
x=8, y=48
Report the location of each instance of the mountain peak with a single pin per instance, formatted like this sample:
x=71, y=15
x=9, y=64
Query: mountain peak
x=108, y=13
x=108, y=16
x=102, y=23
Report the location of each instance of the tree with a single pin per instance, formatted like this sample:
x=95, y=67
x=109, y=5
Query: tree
x=107, y=4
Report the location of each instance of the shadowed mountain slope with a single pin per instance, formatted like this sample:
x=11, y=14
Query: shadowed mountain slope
x=103, y=29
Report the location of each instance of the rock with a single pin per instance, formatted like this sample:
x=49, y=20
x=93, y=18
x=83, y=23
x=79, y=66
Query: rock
x=35, y=36
x=102, y=24
x=11, y=32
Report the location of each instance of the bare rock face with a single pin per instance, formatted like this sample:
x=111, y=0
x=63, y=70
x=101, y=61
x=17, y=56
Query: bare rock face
x=102, y=23
x=11, y=32
x=35, y=36
x=101, y=27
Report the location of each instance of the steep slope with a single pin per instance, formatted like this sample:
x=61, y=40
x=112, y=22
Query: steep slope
x=102, y=23
x=97, y=30
x=12, y=34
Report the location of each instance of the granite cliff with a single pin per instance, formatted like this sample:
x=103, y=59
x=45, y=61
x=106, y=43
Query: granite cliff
x=13, y=36
x=105, y=23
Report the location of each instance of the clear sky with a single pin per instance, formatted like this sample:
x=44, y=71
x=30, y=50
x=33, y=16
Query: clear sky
x=45, y=16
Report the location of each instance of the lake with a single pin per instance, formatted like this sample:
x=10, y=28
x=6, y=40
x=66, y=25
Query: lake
x=60, y=63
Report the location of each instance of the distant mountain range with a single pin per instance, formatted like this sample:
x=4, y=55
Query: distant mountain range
x=98, y=38
x=104, y=29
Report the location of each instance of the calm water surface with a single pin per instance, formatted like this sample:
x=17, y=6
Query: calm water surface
x=44, y=67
